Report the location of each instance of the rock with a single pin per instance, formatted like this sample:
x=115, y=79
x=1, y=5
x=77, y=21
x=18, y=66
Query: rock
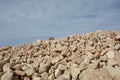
x=112, y=71
x=51, y=77
x=118, y=37
x=17, y=66
x=16, y=77
x=67, y=74
x=25, y=67
x=92, y=66
x=98, y=32
x=1, y=73
x=1, y=57
x=29, y=71
x=6, y=67
x=112, y=62
x=42, y=68
x=89, y=55
x=61, y=67
x=36, y=78
x=2, y=63
x=61, y=77
x=91, y=43
x=58, y=72
x=75, y=72
x=117, y=77
x=35, y=75
x=26, y=78
x=117, y=46
x=117, y=57
x=103, y=58
x=73, y=47
x=110, y=54
x=92, y=49
x=77, y=59
x=91, y=74
x=44, y=75
x=103, y=52
x=56, y=59
x=8, y=75
x=19, y=72
x=87, y=58
x=51, y=38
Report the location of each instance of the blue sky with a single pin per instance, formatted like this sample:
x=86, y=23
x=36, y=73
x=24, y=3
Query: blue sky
x=24, y=21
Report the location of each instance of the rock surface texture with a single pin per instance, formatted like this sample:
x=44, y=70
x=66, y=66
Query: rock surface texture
x=90, y=56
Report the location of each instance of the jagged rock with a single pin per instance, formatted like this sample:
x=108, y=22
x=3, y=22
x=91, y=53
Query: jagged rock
x=103, y=58
x=58, y=72
x=1, y=73
x=36, y=78
x=91, y=74
x=1, y=57
x=19, y=72
x=17, y=66
x=112, y=71
x=55, y=60
x=51, y=77
x=67, y=74
x=29, y=72
x=117, y=46
x=77, y=59
x=110, y=54
x=117, y=77
x=6, y=67
x=2, y=63
x=16, y=77
x=61, y=77
x=25, y=67
x=112, y=62
x=26, y=78
x=8, y=75
x=61, y=67
x=75, y=72
x=45, y=75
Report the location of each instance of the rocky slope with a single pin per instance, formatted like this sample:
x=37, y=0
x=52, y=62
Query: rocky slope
x=90, y=56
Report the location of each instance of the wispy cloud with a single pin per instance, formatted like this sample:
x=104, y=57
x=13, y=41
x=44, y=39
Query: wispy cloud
x=30, y=18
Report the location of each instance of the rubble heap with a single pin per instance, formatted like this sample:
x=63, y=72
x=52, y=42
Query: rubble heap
x=90, y=56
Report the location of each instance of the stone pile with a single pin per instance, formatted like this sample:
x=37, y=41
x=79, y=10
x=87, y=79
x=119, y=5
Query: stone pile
x=90, y=56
